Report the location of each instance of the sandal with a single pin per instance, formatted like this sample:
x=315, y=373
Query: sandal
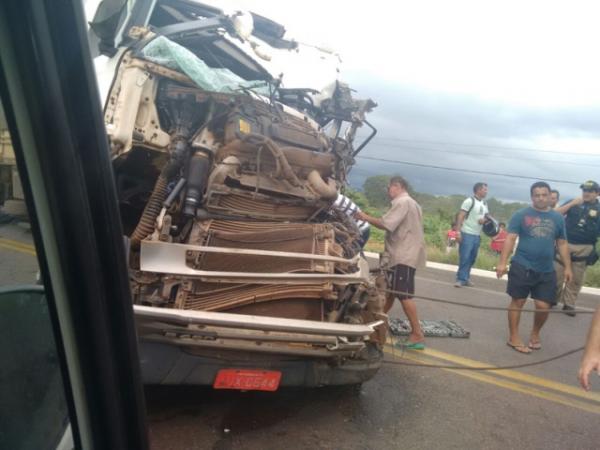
x=537, y=345
x=521, y=348
x=408, y=345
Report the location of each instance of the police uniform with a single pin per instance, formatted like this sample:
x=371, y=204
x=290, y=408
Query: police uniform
x=583, y=224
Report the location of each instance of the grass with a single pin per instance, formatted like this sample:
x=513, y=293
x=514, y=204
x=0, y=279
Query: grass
x=592, y=276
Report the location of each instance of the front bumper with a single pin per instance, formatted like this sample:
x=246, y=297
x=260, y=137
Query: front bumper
x=169, y=364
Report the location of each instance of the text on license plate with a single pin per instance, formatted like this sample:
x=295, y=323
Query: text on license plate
x=247, y=380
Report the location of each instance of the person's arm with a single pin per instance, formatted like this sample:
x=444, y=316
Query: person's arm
x=482, y=220
x=460, y=218
x=466, y=206
x=376, y=222
x=591, y=355
x=565, y=257
x=567, y=206
x=391, y=220
x=507, y=249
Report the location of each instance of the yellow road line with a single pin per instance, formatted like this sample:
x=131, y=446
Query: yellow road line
x=524, y=389
x=17, y=246
x=513, y=386
x=519, y=376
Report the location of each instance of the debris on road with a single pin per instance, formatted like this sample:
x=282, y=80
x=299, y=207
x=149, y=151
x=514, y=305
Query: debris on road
x=431, y=328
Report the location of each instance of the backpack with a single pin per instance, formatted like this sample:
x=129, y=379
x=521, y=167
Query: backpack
x=468, y=211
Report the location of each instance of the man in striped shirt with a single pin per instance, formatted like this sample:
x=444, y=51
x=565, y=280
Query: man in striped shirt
x=348, y=207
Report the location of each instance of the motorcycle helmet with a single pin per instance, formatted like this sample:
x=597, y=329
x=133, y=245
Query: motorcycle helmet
x=490, y=227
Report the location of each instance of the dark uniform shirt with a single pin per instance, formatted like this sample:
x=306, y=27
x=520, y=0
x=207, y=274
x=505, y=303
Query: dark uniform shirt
x=583, y=223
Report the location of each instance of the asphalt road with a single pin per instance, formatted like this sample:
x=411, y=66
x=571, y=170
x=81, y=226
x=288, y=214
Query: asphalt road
x=411, y=407
x=404, y=406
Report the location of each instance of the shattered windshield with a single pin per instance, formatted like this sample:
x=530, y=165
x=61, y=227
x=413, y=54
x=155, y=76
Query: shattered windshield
x=167, y=53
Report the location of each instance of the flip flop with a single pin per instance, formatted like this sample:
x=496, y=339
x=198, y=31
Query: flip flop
x=526, y=350
x=535, y=345
x=411, y=345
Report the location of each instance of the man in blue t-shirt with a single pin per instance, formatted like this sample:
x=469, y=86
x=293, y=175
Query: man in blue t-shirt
x=540, y=230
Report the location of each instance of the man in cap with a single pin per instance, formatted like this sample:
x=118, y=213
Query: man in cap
x=582, y=218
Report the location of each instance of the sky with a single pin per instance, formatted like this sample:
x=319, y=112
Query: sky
x=502, y=88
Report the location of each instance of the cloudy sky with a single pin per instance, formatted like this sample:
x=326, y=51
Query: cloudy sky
x=508, y=87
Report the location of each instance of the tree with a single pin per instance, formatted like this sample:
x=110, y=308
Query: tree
x=376, y=190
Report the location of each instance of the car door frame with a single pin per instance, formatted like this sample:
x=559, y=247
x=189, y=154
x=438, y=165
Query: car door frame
x=50, y=97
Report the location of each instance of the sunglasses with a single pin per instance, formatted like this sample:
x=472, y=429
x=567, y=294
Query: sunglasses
x=589, y=190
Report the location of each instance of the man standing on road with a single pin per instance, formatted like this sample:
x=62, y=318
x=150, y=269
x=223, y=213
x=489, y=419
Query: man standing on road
x=405, y=248
x=539, y=230
x=468, y=222
x=591, y=355
x=582, y=217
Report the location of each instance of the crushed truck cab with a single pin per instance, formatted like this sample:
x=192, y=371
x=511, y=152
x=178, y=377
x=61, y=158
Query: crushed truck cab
x=240, y=267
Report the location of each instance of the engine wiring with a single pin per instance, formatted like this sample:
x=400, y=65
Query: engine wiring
x=476, y=368
x=483, y=368
x=468, y=305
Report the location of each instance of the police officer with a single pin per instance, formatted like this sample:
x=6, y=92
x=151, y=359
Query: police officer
x=582, y=218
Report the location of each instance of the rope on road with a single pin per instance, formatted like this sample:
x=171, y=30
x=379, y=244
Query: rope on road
x=489, y=308
x=484, y=368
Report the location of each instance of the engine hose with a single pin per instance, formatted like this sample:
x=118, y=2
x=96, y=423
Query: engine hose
x=278, y=154
x=326, y=190
x=146, y=224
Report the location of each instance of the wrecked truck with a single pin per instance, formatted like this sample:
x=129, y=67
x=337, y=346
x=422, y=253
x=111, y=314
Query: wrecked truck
x=243, y=274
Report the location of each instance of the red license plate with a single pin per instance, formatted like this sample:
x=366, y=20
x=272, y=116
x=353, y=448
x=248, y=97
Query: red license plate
x=247, y=380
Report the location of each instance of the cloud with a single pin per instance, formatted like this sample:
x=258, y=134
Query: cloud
x=422, y=127
x=512, y=74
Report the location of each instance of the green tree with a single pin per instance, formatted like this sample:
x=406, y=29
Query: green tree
x=376, y=190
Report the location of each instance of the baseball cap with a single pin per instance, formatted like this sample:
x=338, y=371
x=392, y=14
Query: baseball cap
x=590, y=185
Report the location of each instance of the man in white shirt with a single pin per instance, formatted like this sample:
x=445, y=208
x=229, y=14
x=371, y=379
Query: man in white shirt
x=469, y=221
x=347, y=206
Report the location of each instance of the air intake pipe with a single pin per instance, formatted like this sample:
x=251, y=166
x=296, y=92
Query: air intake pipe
x=327, y=191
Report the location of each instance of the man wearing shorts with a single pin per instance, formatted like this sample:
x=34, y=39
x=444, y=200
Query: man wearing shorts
x=405, y=248
x=539, y=229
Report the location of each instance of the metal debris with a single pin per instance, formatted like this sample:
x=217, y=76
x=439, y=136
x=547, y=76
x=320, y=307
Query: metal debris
x=431, y=328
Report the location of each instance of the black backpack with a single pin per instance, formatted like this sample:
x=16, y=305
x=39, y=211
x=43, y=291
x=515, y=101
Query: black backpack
x=468, y=211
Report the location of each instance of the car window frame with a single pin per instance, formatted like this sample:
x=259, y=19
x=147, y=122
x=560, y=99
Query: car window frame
x=62, y=155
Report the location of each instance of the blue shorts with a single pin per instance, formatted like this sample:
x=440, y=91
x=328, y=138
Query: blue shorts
x=523, y=282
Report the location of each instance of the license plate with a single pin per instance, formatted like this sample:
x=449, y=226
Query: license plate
x=247, y=380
